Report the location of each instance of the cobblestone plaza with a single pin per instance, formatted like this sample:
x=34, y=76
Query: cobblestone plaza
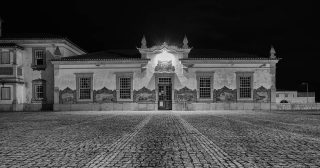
x=154, y=139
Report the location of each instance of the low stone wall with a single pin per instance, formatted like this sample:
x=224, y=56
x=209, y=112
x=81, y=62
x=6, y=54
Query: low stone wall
x=298, y=106
x=25, y=107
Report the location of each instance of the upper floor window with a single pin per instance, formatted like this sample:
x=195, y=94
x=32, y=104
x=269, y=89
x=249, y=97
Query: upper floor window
x=124, y=86
x=84, y=86
x=39, y=90
x=5, y=93
x=244, y=84
x=205, y=85
x=39, y=58
x=4, y=57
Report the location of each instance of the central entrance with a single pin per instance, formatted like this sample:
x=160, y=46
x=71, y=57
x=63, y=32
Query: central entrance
x=164, y=93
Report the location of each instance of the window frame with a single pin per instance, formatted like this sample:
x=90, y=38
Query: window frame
x=205, y=74
x=1, y=98
x=35, y=98
x=35, y=65
x=78, y=77
x=120, y=75
x=1, y=58
x=244, y=74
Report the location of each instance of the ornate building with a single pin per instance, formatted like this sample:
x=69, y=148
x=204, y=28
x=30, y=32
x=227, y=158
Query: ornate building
x=164, y=77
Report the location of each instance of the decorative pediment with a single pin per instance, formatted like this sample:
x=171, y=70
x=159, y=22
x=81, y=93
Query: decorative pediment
x=164, y=67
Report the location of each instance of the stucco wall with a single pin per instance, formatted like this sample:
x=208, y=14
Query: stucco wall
x=104, y=74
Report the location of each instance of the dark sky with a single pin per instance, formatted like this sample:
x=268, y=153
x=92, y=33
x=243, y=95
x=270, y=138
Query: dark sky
x=249, y=26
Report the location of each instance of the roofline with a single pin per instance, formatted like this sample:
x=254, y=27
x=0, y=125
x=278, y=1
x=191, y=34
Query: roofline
x=61, y=40
x=99, y=61
x=228, y=60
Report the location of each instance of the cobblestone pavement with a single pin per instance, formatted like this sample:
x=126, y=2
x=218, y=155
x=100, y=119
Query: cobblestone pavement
x=164, y=141
x=168, y=139
x=58, y=139
x=264, y=139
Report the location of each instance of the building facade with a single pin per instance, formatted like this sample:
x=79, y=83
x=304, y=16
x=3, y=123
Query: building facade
x=164, y=77
x=26, y=71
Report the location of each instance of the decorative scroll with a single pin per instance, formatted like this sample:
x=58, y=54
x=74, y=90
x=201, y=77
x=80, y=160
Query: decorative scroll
x=164, y=66
x=104, y=95
x=224, y=95
x=67, y=96
x=185, y=94
x=261, y=94
x=144, y=95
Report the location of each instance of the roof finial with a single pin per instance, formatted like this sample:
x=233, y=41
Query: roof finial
x=143, y=42
x=272, y=53
x=185, y=42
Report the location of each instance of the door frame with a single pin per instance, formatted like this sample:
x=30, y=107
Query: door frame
x=164, y=75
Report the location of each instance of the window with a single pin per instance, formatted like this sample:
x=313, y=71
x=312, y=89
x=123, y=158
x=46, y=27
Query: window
x=4, y=57
x=5, y=93
x=84, y=86
x=124, y=86
x=39, y=90
x=39, y=59
x=204, y=80
x=286, y=95
x=244, y=80
x=205, y=88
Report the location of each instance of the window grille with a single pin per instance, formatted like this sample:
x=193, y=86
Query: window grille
x=164, y=80
x=245, y=87
x=39, y=56
x=85, y=88
x=125, y=87
x=205, y=88
x=39, y=92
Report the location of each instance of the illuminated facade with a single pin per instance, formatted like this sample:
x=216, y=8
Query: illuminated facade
x=164, y=77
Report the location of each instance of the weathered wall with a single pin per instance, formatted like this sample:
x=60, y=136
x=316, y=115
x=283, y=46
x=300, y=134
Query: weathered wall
x=104, y=79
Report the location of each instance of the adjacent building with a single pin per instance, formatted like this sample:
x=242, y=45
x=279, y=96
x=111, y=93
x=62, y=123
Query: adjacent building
x=26, y=71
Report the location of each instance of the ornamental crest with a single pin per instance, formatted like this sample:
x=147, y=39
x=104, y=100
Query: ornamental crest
x=164, y=66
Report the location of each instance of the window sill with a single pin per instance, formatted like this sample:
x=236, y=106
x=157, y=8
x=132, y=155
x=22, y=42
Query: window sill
x=38, y=67
x=39, y=101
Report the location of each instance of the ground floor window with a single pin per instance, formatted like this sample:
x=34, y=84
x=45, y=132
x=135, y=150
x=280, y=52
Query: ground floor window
x=205, y=85
x=5, y=93
x=244, y=82
x=39, y=90
x=124, y=86
x=84, y=86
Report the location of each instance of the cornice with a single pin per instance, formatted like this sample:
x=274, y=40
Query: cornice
x=99, y=61
x=228, y=60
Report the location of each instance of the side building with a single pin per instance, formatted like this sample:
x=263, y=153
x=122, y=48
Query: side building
x=165, y=77
x=26, y=71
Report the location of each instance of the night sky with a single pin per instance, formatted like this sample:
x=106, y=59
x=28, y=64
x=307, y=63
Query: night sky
x=249, y=26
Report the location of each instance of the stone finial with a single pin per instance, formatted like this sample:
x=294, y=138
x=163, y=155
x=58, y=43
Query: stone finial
x=272, y=53
x=185, y=42
x=143, y=42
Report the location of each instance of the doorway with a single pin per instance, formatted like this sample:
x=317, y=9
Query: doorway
x=164, y=93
